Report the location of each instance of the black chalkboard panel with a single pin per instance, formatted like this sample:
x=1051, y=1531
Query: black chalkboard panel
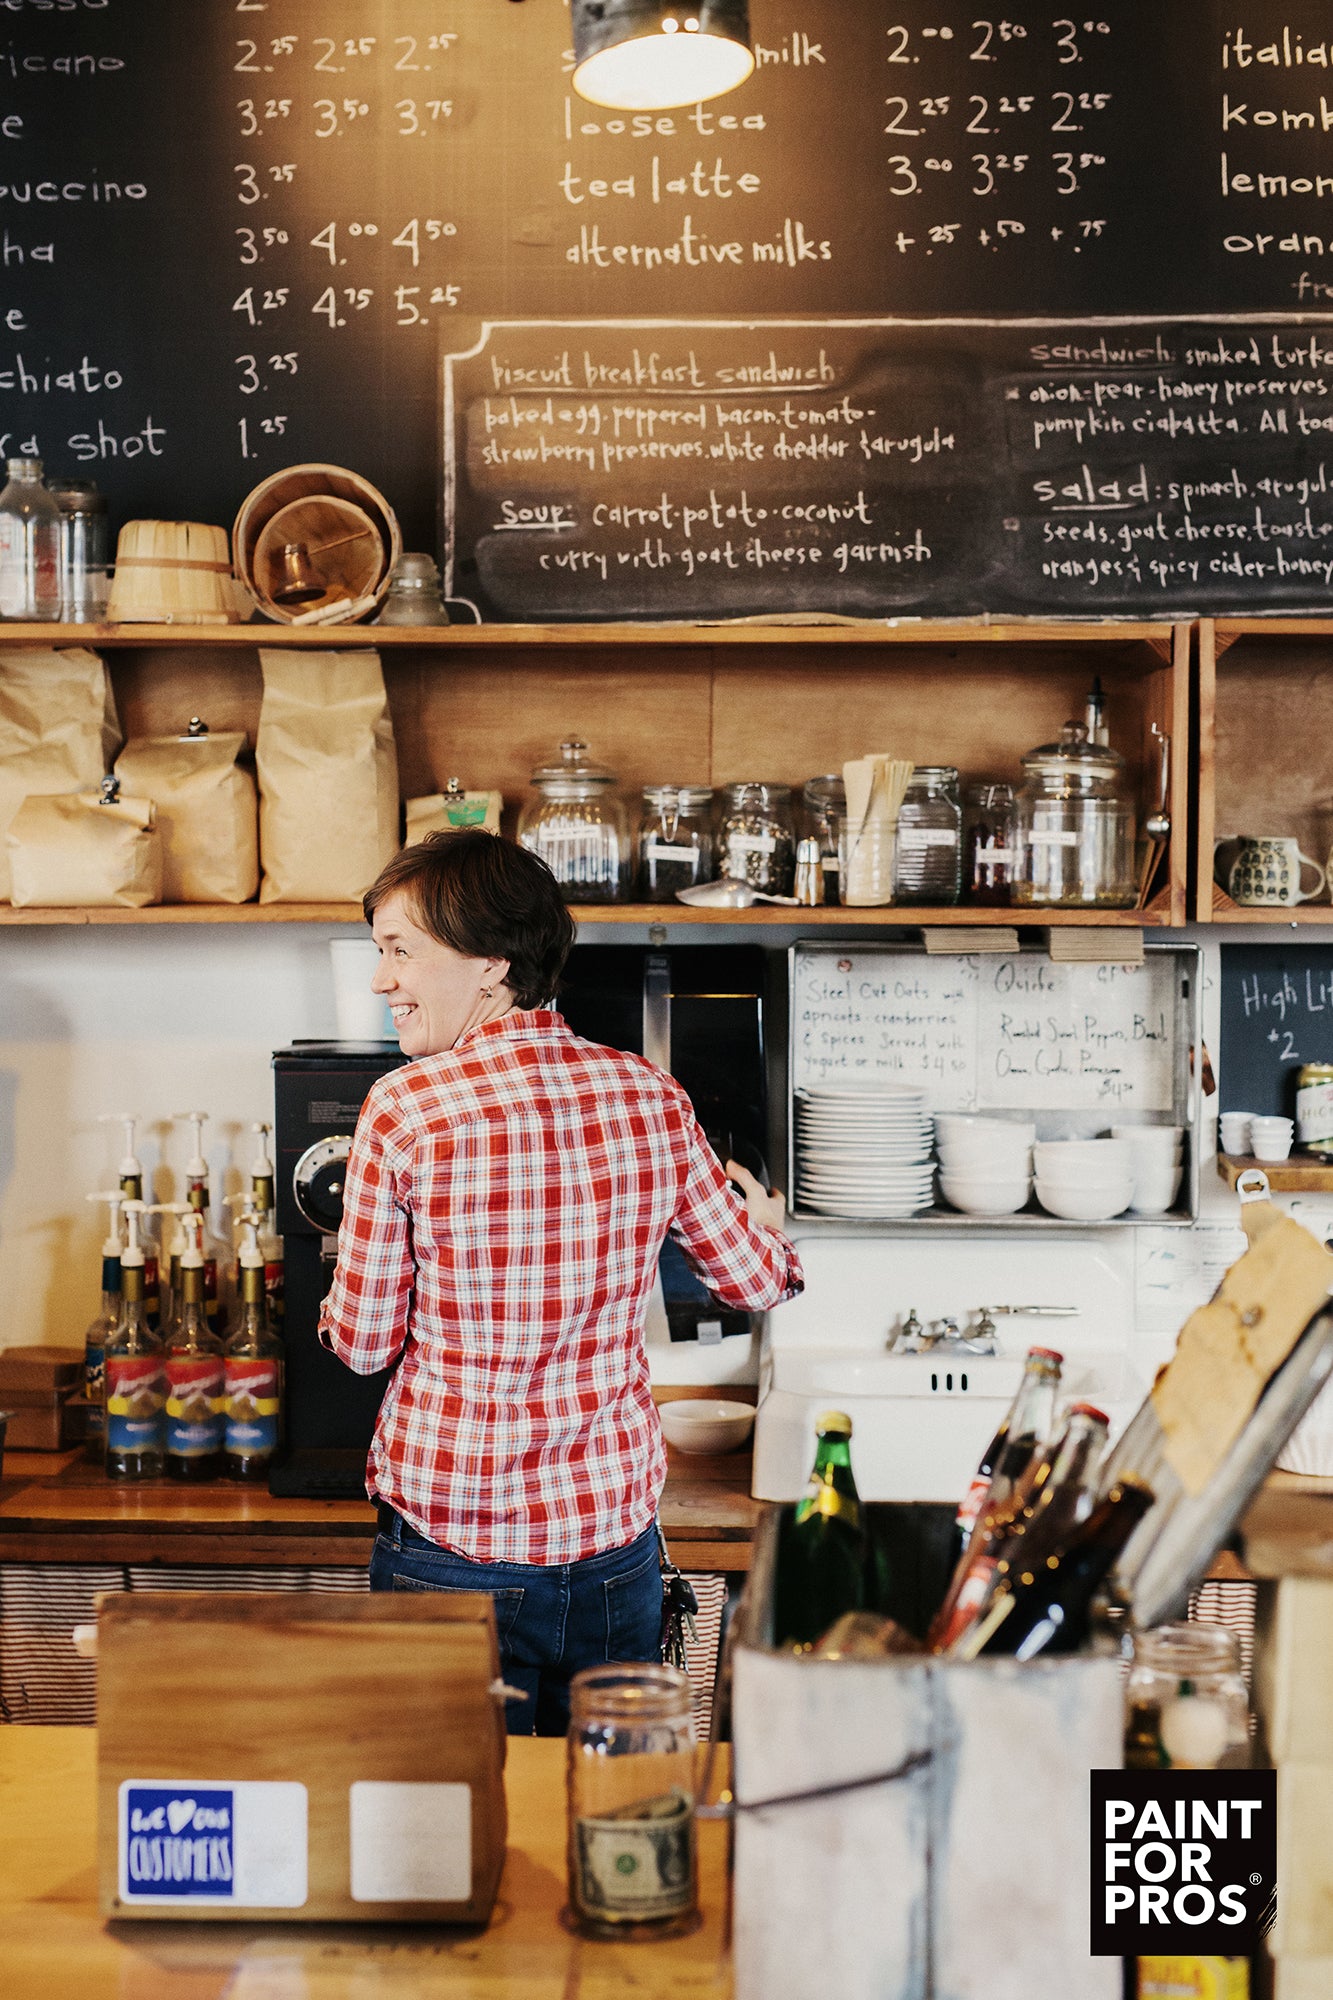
x=687, y=469
x=1277, y=1013
x=235, y=233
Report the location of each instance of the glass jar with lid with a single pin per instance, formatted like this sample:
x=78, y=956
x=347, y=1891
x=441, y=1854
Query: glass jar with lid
x=413, y=596
x=1187, y=1705
x=928, y=859
x=825, y=802
x=630, y=1758
x=1073, y=826
x=577, y=824
x=677, y=845
x=757, y=836
x=988, y=812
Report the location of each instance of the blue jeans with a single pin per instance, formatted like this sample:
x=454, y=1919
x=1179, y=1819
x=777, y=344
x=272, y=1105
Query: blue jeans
x=551, y=1620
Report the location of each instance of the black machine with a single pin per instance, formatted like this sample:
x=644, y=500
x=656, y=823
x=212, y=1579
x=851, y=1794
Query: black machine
x=696, y=1010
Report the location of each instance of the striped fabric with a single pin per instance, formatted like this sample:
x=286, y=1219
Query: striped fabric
x=504, y=1208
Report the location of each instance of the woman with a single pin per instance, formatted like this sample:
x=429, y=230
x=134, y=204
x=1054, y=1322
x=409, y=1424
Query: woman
x=507, y=1196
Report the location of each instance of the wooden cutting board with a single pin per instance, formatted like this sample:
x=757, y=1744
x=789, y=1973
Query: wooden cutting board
x=299, y=1757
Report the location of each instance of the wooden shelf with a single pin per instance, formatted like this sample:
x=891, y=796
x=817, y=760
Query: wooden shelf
x=861, y=632
x=1294, y=1176
x=673, y=915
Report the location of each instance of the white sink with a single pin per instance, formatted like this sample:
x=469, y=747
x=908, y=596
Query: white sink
x=921, y=1421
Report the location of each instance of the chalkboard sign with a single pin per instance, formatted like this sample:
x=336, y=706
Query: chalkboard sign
x=236, y=234
x=684, y=469
x=1277, y=1014
x=1009, y=1033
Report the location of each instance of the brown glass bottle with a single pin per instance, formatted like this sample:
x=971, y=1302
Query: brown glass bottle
x=194, y=1371
x=1043, y=1602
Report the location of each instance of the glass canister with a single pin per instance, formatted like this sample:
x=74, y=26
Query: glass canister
x=677, y=846
x=1073, y=826
x=757, y=837
x=825, y=802
x=988, y=814
x=577, y=825
x=630, y=1788
x=85, y=548
x=1187, y=1705
x=413, y=596
x=928, y=862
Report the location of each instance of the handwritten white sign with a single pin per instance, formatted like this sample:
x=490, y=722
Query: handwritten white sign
x=983, y=1033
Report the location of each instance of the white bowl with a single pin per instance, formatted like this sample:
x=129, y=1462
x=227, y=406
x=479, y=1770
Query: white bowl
x=1084, y=1204
x=975, y=1196
x=1272, y=1150
x=1079, y=1163
x=706, y=1423
x=959, y=1155
x=1150, y=1135
x=964, y=1124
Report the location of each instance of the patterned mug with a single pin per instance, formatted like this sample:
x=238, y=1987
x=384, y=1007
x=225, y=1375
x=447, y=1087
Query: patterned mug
x=1267, y=874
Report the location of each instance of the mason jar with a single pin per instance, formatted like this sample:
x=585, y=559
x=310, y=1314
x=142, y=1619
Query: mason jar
x=757, y=837
x=577, y=824
x=988, y=821
x=928, y=862
x=1187, y=1705
x=630, y=1786
x=677, y=847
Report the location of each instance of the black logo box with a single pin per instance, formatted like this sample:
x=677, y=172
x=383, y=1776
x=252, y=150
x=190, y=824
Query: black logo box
x=1182, y=1861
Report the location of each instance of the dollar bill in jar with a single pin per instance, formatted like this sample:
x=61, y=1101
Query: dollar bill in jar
x=636, y=1865
x=1314, y=1109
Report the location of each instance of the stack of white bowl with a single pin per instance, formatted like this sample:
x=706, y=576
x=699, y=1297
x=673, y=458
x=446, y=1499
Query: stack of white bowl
x=1158, y=1157
x=985, y=1163
x=1085, y=1180
x=863, y=1150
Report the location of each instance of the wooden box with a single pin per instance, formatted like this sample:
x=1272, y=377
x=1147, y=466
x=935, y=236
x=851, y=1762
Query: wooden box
x=299, y=1757
x=964, y=1873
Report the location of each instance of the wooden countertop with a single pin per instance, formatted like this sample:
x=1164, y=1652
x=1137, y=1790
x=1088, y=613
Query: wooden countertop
x=53, y=1943
x=55, y=1507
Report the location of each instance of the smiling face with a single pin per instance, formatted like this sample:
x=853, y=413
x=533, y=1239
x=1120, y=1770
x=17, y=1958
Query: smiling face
x=433, y=991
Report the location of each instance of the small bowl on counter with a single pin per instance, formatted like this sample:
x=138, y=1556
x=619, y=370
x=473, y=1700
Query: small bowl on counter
x=1097, y=1203
x=705, y=1424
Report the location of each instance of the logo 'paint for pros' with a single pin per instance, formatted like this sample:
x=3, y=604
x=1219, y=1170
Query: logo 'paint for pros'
x=1183, y=1862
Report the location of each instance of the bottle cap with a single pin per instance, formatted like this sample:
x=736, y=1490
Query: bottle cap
x=129, y=1165
x=252, y=1257
x=1046, y=1354
x=131, y=1256
x=1088, y=1410
x=833, y=1423
x=196, y=1168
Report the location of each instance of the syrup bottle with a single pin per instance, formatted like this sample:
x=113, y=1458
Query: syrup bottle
x=130, y=1172
x=196, y=1195
x=135, y=1381
x=253, y=1366
x=102, y=1330
x=193, y=1361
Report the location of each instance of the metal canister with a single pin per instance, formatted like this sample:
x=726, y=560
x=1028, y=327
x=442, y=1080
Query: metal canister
x=1314, y=1109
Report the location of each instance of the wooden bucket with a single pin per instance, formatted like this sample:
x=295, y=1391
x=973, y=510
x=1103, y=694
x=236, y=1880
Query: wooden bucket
x=172, y=573
x=347, y=531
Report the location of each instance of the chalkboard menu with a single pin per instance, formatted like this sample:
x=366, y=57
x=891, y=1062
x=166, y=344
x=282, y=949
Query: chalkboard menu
x=237, y=234
x=1277, y=1014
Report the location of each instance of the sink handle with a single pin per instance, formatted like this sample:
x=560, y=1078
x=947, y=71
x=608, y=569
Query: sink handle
x=1033, y=1312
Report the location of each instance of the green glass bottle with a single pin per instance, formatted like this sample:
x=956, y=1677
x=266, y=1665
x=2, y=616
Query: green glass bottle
x=822, y=1550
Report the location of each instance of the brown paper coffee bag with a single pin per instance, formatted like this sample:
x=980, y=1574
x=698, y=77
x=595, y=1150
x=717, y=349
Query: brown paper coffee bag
x=58, y=728
x=77, y=849
x=207, y=812
x=328, y=776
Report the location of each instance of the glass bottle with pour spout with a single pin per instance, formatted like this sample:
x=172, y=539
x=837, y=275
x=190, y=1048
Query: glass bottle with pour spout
x=192, y=1360
x=577, y=825
x=1073, y=836
x=253, y=1371
x=135, y=1380
x=102, y=1329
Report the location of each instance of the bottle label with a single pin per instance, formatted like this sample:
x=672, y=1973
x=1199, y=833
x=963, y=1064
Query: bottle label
x=638, y=1865
x=971, y=1504
x=975, y=1590
x=152, y=1291
x=135, y=1394
x=927, y=836
x=195, y=1404
x=751, y=843
x=253, y=1402
x=658, y=850
x=1038, y=837
x=94, y=1389
x=826, y=1500
x=273, y=1291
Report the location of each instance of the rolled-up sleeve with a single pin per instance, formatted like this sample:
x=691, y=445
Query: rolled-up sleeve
x=364, y=1320
x=744, y=1265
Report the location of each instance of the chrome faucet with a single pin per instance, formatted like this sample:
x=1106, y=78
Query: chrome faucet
x=914, y=1338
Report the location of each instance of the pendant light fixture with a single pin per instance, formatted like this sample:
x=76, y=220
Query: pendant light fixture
x=649, y=55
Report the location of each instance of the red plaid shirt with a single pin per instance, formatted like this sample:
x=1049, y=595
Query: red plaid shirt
x=505, y=1205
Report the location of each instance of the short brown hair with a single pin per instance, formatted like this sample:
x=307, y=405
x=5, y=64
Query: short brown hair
x=486, y=897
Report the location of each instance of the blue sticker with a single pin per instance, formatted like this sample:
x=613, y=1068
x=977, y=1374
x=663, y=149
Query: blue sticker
x=179, y=1841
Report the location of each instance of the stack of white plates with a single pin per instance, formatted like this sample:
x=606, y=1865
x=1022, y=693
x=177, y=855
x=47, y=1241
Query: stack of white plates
x=863, y=1150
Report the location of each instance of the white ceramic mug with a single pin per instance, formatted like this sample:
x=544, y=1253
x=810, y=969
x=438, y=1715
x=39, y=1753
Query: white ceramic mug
x=1267, y=873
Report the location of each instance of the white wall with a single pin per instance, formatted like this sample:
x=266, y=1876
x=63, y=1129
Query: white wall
x=155, y=1020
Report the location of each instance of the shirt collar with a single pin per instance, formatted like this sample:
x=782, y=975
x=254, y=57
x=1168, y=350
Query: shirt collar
x=518, y=1020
